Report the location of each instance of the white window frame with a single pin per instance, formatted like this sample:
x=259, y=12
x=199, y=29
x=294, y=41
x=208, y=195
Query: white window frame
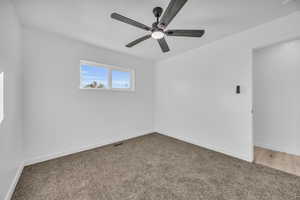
x=109, y=74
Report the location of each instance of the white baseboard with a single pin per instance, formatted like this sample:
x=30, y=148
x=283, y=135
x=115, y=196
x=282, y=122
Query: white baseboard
x=14, y=182
x=210, y=147
x=77, y=150
x=278, y=148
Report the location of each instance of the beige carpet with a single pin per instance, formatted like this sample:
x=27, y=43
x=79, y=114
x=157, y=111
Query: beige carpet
x=153, y=167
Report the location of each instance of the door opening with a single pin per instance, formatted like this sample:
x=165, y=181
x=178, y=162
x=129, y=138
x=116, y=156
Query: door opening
x=276, y=97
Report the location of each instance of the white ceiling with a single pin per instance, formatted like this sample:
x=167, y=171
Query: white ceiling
x=89, y=20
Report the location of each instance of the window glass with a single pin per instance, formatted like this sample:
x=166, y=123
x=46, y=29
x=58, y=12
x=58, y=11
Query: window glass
x=100, y=76
x=93, y=76
x=120, y=79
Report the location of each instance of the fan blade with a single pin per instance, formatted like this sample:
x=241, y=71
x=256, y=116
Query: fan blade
x=163, y=45
x=185, y=33
x=173, y=8
x=135, y=42
x=129, y=21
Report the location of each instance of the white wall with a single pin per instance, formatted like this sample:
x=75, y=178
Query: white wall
x=276, y=96
x=1, y=96
x=195, y=91
x=11, y=157
x=60, y=118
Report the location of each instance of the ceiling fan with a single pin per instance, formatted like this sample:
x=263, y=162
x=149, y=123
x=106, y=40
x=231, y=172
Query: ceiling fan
x=157, y=29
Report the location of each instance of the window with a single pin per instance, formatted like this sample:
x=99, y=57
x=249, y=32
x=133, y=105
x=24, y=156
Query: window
x=1, y=96
x=105, y=77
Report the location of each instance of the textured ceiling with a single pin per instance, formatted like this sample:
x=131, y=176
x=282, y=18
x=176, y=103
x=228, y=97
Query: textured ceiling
x=89, y=20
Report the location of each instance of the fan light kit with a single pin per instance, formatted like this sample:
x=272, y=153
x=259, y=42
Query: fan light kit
x=157, y=35
x=157, y=29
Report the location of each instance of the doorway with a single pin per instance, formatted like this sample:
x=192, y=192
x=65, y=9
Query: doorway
x=276, y=105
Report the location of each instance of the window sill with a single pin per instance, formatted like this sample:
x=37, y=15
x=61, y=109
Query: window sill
x=104, y=89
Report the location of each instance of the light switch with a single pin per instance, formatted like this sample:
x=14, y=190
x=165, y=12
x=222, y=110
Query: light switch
x=238, y=89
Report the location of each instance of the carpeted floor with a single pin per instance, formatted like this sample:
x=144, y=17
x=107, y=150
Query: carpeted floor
x=153, y=167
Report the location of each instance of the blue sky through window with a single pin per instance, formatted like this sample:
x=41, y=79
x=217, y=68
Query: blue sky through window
x=93, y=76
x=120, y=79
